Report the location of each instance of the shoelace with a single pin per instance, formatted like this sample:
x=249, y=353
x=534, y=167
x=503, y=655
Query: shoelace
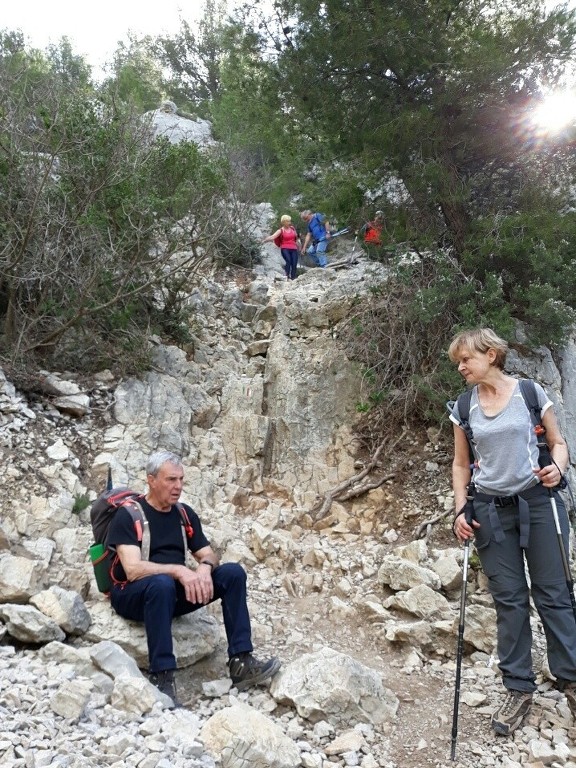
x=511, y=702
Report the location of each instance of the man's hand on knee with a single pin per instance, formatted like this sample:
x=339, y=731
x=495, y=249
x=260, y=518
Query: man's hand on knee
x=198, y=585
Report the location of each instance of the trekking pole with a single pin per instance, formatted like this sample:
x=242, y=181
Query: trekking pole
x=544, y=459
x=351, y=257
x=343, y=231
x=109, y=485
x=468, y=515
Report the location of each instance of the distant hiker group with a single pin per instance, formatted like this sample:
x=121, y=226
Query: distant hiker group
x=317, y=239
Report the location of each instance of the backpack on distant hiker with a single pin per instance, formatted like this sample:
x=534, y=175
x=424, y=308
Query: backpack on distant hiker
x=102, y=512
x=372, y=234
x=320, y=218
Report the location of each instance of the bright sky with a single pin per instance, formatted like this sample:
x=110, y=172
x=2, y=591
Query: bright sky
x=95, y=28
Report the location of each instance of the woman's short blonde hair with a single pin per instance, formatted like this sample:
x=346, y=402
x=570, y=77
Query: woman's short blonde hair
x=479, y=340
x=285, y=219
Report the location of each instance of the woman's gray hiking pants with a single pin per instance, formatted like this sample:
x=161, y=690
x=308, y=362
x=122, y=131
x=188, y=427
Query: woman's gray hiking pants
x=503, y=562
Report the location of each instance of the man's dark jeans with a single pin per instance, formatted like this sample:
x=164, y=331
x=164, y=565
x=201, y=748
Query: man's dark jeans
x=155, y=600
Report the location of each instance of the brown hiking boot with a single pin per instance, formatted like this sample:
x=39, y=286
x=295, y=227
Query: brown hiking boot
x=511, y=713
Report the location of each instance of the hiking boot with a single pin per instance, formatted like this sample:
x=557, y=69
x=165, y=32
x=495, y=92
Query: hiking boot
x=509, y=716
x=166, y=684
x=247, y=670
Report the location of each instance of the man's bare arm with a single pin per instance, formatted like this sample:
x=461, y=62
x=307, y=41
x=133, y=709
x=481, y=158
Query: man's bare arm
x=197, y=584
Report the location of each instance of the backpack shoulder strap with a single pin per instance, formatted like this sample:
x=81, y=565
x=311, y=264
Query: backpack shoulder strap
x=463, y=402
x=142, y=527
x=134, y=508
x=187, y=530
x=528, y=392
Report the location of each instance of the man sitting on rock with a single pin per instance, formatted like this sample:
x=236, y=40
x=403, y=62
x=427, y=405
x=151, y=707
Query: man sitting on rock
x=154, y=591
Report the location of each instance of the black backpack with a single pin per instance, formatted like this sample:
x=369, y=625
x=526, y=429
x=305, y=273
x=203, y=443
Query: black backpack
x=102, y=513
x=104, y=509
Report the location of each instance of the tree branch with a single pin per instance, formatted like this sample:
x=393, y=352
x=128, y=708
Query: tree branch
x=349, y=489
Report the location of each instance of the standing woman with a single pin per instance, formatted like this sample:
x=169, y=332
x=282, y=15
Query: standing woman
x=513, y=523
x=287, y=238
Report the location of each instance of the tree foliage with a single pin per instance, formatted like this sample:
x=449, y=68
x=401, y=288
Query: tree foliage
x=102, y=226
x=136, y=76
x=193, y=59
x=434, y=91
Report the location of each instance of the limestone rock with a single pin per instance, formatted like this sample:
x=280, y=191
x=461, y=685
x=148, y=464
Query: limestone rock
x=26, y=623
x=327, y=685
x=195, y=635
x=20, y=577
x=167, y=123
x=71, y=698
x=401, y=574
x=65, y=607
x=244, y=738
x=421, y=601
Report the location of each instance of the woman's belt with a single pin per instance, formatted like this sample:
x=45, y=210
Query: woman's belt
x=518, y=500
x=499, y=501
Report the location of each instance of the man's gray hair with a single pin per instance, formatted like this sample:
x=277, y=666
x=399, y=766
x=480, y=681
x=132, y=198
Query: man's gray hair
x=156, y=460
x=307, y=212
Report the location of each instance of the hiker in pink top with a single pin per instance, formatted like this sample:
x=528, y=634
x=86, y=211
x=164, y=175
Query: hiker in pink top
x=287, y=239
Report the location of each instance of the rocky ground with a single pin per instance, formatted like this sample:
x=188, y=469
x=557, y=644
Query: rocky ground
x=290, y=625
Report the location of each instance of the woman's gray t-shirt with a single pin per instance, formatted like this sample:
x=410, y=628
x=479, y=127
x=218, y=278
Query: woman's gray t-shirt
x=505, y=445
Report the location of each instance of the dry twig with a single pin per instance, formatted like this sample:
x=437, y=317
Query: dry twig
x=350, y=489
x=431, y=521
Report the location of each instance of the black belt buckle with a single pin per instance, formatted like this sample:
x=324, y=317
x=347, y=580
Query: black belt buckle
x=504, y=501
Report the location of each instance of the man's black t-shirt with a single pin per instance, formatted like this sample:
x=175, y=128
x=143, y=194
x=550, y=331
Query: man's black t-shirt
x=166, y=540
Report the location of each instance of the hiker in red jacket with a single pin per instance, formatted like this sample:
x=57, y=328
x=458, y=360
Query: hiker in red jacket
x=372, y=230
x=287, y=239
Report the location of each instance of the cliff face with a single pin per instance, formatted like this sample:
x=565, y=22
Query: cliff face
x=261, y=406
x=166, y=122
x=266, y=393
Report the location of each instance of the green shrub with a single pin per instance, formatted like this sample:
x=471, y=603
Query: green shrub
x=81, y=502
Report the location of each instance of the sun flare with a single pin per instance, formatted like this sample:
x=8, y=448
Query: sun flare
x=556, y=112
